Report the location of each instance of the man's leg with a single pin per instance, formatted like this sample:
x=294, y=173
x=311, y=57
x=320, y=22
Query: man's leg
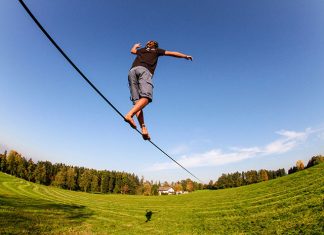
x=140, y=117
x=140, y=80
x=139, y=105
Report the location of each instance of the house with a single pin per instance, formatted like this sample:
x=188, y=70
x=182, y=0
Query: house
x=166, y=190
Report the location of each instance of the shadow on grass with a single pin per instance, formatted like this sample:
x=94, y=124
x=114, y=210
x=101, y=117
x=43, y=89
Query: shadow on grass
x=24, y=215
x=148, y=215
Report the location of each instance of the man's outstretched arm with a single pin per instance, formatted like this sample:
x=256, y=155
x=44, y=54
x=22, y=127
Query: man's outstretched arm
x=178, y=55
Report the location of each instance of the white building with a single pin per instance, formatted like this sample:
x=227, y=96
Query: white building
x=166, y=190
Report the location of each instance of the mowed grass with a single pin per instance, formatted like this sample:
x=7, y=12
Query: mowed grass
x=289, y=205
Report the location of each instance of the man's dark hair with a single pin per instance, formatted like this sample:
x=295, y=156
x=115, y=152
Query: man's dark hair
x=154, y=43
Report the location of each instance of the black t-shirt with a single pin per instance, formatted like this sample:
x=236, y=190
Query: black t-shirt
x=148, y=58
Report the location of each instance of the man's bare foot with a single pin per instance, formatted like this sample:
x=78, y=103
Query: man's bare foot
x=145, y=133
x=130, y=121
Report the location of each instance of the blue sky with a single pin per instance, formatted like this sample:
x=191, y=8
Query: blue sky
x=252, y=97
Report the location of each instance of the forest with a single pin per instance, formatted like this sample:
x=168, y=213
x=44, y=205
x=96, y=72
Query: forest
x=104, y=181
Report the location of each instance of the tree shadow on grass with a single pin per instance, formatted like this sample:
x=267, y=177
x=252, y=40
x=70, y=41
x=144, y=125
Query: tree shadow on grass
x=24, y=215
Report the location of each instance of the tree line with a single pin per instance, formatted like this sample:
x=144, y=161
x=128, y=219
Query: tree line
x=104, y=181
x=238, y=179
x=68, y=177
x=300, y=165
x=84, y=179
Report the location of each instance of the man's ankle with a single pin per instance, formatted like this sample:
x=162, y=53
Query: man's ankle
x=129, y=115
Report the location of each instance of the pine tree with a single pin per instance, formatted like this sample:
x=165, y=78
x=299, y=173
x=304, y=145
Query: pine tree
x=292, y=170
x=3, y=163
x=21, y=167
x=104, y=182
x=94, y=183
x=112, y=181
x=11, y=163
x=30, y=170
x=315, y=160
x=237, y=179
x=40, y=173
x=118, y=183
x=281, y=172
x=49, y=172
x=125, y=183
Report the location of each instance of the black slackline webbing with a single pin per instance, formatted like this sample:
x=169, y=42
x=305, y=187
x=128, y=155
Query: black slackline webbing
x=90, y=83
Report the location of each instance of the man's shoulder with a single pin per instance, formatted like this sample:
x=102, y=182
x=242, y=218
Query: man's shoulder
x=161, y=51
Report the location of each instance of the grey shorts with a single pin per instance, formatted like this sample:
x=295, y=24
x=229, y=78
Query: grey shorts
x=140, y=83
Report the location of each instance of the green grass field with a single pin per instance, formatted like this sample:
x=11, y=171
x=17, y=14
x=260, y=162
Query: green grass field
x=289, y=205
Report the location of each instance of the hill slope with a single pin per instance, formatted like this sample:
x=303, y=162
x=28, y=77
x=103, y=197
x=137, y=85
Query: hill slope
x=291, y=204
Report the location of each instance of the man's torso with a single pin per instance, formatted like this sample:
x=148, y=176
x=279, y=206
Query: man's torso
x=148, y=58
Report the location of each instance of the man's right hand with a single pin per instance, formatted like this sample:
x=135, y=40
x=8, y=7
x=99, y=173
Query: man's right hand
x=134, y=48
x=137, y=45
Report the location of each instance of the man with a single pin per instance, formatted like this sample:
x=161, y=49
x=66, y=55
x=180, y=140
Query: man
x=140, y=80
